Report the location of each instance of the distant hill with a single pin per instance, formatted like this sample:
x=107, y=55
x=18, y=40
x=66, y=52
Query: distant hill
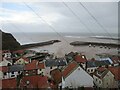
x=10, y=43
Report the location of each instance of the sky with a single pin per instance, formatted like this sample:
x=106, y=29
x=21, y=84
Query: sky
x=70, y=17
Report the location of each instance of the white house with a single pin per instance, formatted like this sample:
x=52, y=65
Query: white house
x=15, y=70
x=7, y=53
x=116, y=72
x=5, y=62
x=103, y=78
x=74, y=77
x=93, y=65
x=4, y=72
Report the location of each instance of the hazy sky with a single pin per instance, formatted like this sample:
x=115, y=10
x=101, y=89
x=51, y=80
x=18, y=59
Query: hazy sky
x=17, y=17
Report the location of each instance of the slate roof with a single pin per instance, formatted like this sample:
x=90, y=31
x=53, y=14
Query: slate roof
x=15, y=68
x=55, y=62
x=97, y=63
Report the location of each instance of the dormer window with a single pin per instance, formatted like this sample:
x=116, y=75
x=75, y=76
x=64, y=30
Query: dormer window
x=78, y=68
x=83, y=56
x=27, y=82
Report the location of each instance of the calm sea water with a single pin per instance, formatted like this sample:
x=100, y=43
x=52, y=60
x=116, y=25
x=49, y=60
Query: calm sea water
x=63, y=47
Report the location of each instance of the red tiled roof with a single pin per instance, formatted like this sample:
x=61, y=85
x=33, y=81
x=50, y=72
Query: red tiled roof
x=5, y=51
x=31, y=66
x=19, y=51
x=41, y=66
x=26, y=59
x=79, y=59
x=43, y=82
x=101, y=69
x=70, y=68
x=34, y=81
x=9, y=83
x=4, y=68
x=56, y=75
x=115, y=71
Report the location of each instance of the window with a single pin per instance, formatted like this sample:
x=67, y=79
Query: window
x=78, y=68
x=5, y=73
x=50, y=67
x=83, y=56
x=12, y=72
x=19, y=72
x=27, y=82
x=12, y=75
x=96, y=79
x=99, y=82
x=40, y=69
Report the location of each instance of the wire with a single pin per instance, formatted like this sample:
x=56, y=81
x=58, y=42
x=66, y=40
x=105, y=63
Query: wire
x=20, y=30
x=95, y=19
x=45, y=22
x=79, y=19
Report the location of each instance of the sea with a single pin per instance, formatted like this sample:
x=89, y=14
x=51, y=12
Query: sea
x=64, y=47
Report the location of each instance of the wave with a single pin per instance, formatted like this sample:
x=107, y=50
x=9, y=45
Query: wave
x=75, y=36
x=106, y=37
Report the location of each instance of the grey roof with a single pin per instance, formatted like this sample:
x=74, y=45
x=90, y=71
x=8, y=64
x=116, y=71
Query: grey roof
x=55, y=62
x=97, y=63
x=15, y=68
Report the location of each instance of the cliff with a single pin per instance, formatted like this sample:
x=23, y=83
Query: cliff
x=10, y=43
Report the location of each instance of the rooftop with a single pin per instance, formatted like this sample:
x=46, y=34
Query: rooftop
x=9, y=83
x=115, y=71
x=69, y=68
x=4, y=68
x=55, y=62
x=31, y=66
x=56, y=75
x=97, y=63
x=34, y=81
x=80, y=58
x=101, y=72
x=16, y=67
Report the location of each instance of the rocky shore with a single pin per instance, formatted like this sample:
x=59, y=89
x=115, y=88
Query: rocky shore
x=80, y=43
x=26, y=46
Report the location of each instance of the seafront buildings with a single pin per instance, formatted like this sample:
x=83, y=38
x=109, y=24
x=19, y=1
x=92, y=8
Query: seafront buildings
x=30, y=69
